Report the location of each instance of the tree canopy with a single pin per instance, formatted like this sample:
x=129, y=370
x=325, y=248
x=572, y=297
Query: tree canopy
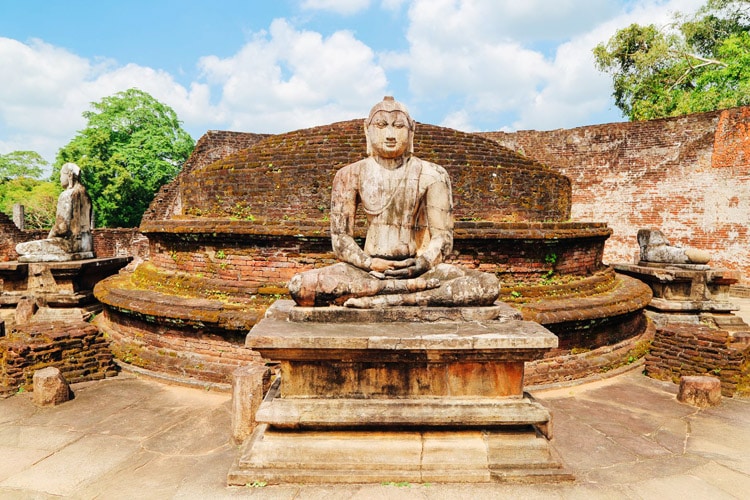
x=21, y=164
x=131, y=146
x=700, y=62
x=19, y=183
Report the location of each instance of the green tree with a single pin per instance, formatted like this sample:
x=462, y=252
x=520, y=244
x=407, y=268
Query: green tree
x=131, y=146
x=700, y=62
x=22, y=164
x=39, y=199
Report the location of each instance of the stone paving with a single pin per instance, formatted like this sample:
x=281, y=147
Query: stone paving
x=128, y=437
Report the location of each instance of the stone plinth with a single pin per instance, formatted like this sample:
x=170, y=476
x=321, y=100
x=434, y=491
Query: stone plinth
x=60, y=291
x=384, y=401
x=682, y=292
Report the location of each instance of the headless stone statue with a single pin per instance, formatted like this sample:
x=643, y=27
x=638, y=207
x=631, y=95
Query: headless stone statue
x=656, y=248
x=70, y=238
x=409, y=209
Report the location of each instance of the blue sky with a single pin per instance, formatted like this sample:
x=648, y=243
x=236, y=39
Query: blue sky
x=275, y=66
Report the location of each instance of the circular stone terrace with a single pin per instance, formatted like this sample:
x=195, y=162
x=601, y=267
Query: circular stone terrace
x=248, y=212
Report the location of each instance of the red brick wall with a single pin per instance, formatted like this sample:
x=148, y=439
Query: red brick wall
x=78, y=349
x=685, y=349
x=689, y=176
x=289, y=177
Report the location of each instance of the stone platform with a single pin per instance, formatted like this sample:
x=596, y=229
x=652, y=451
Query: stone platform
x=54, y=291
x=399, y=400
x=686, y=292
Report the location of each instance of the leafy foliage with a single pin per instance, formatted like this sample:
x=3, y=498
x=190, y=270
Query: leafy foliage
x=131, y=146
x=39, y=199
x=22, y=164
x=700, y=62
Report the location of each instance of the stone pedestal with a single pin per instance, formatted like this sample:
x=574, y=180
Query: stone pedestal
x=425, y=394
x=687, y=293
x=60, y=291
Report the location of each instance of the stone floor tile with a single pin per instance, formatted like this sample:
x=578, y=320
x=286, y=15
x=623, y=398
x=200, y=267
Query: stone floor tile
x=679, y=487
x=15, y=460
x=730, y=481
x=65, y=471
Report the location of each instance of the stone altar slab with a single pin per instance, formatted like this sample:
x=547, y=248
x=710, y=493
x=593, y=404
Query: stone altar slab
x=399, y=400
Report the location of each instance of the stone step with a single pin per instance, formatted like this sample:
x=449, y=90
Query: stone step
x=295, y=413
x=347, y=456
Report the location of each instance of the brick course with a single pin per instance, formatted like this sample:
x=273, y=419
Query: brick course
x=685, y=349
x=77, y=349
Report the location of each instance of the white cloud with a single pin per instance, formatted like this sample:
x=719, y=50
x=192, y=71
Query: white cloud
x=345, y=7
x=41, y=105
x=392, y=5
x=279, y=81
x=531, y=59
x=287, y=79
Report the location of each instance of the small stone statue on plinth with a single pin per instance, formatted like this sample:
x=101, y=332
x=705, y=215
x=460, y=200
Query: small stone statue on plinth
x=409, y=209
x=70, y=238
x=656, y=248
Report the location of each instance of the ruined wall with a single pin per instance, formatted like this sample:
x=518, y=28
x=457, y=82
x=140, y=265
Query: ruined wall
x=687, y=349
x=689, y=176
x=77, y=349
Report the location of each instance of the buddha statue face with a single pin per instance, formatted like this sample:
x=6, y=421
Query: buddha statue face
x=389, y=134
x=389, y=130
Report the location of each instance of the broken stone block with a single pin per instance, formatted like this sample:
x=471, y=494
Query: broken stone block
x=700, y=391
x=25, y=310
x=50, y=387
x=247, y=394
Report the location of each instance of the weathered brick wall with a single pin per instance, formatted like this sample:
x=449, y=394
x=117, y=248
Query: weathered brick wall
x=245, y=264
x=10, y=236
x=78, y=349
x=289, y=177
x=686, y=349
x=689, y=176
x=212, y=146
x=200, y=355
x=120, y=242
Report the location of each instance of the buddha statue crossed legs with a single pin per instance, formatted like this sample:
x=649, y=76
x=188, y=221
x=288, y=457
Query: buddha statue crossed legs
x=409, y=208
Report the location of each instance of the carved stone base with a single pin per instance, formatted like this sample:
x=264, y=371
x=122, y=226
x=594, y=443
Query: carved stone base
x=416, y=401
x=59, y=291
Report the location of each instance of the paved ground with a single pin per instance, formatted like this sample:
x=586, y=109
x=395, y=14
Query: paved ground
x=127, y=437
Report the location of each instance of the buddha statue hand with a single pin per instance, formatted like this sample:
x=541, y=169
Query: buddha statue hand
x=412, y=268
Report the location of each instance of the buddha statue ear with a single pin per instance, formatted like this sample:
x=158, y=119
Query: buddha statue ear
x=367, y=138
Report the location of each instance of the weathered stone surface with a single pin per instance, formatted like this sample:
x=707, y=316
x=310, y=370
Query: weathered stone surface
x=25, y=310
x=700, y=391
x=383, y=399
x=656, y=248
x=50, y=387
x=448, y=456
x=247, y=394
x=446, y=412
x=333, y=314
x=409, y=211
x=70, y=237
